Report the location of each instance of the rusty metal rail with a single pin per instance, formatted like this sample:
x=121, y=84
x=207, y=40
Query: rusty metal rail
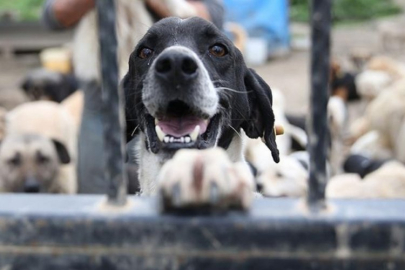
x=68, y=232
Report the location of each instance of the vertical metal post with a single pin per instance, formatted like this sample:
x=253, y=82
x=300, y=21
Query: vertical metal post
x=318, y=126
x=114, y=147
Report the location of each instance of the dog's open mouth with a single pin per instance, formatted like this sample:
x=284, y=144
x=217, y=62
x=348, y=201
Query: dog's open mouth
x=182, y=126
x=183, y=129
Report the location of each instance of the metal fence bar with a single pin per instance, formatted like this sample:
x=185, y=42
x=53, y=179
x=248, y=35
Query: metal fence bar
x=114, y=147
x=318, y=127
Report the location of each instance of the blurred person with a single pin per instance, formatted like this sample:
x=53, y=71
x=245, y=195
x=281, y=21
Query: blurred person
x=132, y=21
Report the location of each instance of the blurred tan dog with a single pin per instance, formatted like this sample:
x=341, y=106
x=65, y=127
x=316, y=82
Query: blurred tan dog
x=74, y=105
x=386, y=182
x=30, y=163
x=379, y=74
x=38, y=153
x=383, y=125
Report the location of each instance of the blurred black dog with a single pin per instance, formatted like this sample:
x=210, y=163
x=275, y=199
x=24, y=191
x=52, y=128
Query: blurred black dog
x=42, y=84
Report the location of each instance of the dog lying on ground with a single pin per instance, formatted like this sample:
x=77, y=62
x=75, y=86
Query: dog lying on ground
x=288, y=178
x=188, y=88
x=38, y=153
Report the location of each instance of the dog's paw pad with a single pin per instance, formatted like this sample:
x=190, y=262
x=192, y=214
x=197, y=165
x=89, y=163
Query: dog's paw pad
x=201, y=179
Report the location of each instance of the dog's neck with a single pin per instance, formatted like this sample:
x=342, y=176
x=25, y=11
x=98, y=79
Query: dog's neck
x=236, y=148
x=150, y=164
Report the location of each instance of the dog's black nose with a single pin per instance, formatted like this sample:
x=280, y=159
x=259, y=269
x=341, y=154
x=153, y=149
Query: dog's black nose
x=31, y=185
x=176, y=66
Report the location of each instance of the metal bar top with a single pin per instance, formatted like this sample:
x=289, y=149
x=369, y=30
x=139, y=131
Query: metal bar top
x=114, y=146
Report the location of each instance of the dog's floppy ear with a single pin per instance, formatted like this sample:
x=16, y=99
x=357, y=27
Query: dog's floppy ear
x=128, y=86
x=62, y=152
x=261, y=119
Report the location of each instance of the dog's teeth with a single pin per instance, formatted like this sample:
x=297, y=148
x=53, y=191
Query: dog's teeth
x=171, y=139
x=195, y=133
x=156, y=121
x=160, y=133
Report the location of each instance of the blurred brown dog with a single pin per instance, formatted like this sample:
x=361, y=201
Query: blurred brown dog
x=38, y=153
x=30, y=163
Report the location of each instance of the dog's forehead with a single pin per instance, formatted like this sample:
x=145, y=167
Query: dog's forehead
x=177, y=29
x=26, y=145
x=12, y=144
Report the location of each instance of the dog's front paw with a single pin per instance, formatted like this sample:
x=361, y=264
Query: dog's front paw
x=205, y=179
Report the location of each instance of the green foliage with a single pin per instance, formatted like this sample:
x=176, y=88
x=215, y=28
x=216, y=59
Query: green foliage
x=26, y=10
x=299, y=10
x=343, y=10
x=347, y=10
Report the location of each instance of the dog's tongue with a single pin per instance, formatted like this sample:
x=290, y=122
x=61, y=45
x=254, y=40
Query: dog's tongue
x=181, y=126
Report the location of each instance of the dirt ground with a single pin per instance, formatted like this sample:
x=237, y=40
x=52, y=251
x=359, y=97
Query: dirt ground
x=290, y=74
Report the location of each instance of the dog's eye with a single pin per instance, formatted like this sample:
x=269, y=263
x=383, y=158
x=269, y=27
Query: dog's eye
x=41, y=158
x=145, y=53
x=15, y=161
x=218, y=50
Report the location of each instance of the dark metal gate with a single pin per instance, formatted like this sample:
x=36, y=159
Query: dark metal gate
x=94, y=232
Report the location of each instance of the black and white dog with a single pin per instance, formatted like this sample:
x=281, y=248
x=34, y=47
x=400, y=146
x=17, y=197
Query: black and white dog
x=188, y=88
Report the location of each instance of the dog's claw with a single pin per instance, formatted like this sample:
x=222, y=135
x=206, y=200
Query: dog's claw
x=176, y=195
x=214, y=194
